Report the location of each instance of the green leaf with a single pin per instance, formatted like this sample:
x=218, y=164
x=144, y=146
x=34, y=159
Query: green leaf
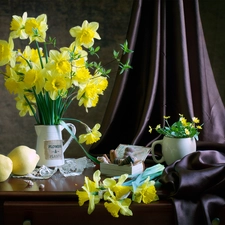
x=125, y=48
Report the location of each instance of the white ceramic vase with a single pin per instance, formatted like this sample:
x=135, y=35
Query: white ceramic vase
x=49, y=145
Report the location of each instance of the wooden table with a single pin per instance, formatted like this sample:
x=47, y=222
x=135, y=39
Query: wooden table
x=57, y=203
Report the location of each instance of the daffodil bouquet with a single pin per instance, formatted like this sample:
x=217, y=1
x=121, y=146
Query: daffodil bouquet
x=180, y=129
x=47, y=82
x=119, y=192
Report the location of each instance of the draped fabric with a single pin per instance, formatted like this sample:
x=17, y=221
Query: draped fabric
x=171, y=74
x=196, y=186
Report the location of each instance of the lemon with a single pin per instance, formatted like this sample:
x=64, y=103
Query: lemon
x=6, y=166
x=24, y=160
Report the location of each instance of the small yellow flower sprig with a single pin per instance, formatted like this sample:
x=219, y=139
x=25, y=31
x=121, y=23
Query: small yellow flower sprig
x=180, y=129
x=116, y=193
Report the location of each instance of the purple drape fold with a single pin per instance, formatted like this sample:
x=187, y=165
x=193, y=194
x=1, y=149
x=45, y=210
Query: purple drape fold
x=171, y=74
x=196, y=186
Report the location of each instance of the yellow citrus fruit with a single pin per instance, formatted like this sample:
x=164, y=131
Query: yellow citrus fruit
x=6, y=166
x=24, y=160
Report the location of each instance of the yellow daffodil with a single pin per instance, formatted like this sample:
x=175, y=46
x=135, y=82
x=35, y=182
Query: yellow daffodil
x=115, y=205
x=83, y=197
x=97, y=178
x=85, y=35
x=120, y=191
x=36, y=28
x=117, y=187
x=92, y=136
x=90, y=192
x=78, y=56
x=12, y=86
x=34, y=78
x=12, y=83
x=111, y=183
x=158, y=127
x=29, y=55
x=79, y=62
x=88, y=95
x=59, y=63
x=6, y=52
x=17, y=26
x=145, y=192
x=166, y=117
x=150, y=129
x=56, y=85
x=100, y=82
x=22, y=105
x=81, y=76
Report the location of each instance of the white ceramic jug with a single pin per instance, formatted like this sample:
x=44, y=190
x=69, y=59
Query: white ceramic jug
x=173, y=149
x=50, y=145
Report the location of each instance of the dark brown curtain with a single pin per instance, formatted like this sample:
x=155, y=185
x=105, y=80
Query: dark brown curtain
x=171, y=74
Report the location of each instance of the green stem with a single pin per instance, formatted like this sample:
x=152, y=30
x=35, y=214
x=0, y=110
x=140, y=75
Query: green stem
x=46, y=52
x=75, y=138
x=32, y=109
x=39, y=54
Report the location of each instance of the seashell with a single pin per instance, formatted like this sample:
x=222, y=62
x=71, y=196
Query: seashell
x=41, y=186
x=29, y=182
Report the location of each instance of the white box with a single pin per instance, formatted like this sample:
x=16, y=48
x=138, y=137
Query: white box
x=140, y=153
x=115, y=170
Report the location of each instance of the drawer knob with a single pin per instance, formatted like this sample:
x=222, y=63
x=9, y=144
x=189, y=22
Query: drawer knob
x=216, y=221
x=26, y=222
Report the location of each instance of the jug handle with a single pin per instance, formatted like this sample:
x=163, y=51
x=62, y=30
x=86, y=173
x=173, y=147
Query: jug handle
x=73, y=128
x=159, y=142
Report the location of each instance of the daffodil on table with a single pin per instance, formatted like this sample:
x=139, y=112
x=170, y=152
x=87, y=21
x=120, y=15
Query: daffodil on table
x=119, y=192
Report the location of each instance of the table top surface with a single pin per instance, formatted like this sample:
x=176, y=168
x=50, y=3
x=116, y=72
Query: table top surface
x=56, y=186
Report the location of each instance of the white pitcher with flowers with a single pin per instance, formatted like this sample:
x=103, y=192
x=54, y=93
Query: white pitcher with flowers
x=46, y=82
x=179, y=139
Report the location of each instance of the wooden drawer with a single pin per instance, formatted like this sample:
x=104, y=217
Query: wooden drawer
x=70, y=213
